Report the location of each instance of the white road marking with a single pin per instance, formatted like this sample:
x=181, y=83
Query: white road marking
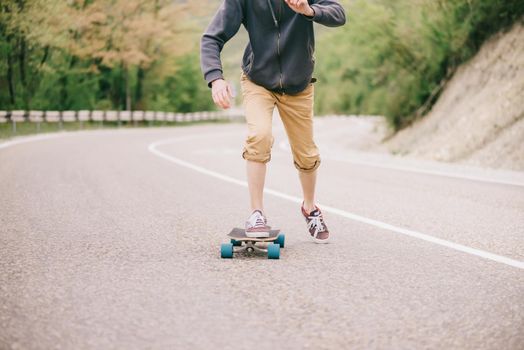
x=18, y=140
x=27, y=139
x=459, y=247
x=284, y=145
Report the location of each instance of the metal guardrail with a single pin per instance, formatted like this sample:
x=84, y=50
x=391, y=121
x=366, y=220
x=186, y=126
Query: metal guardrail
x=83, y=116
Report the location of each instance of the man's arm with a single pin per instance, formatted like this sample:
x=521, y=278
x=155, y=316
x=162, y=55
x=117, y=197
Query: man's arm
x=223, y=27
x=326, y=12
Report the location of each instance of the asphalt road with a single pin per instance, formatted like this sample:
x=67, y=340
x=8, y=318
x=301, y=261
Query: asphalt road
x=110, y=239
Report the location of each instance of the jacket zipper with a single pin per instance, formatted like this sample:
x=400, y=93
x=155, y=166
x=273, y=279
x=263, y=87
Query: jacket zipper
x=277, y=26
x=278, y=46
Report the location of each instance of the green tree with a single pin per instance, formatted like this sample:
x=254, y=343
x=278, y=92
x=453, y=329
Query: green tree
x=75, y=54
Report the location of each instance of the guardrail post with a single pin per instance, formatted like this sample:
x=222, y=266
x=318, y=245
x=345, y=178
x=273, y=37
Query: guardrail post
x=68, y=116
x=15, y=116
x=112, y=116
x=138, y=116
x=36, y=117
x=160, y=117
x=149, y=116
x=52, y=117
x=124, y=116
x=83, y=116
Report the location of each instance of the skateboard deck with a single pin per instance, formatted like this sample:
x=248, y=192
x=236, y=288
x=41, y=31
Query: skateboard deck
x=239, y=234
x=240, y=242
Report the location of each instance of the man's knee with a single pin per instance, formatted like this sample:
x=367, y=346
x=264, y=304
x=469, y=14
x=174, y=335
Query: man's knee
x=258, y=146
x=307, y=165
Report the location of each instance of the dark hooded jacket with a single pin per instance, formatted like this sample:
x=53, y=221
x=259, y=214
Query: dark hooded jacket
x=280, y=52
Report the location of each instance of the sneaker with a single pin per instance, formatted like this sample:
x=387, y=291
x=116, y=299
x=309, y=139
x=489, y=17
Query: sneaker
x=256, y=225
x=316, y=225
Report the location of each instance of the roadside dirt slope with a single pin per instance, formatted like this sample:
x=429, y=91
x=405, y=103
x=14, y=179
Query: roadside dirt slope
x=479, y=118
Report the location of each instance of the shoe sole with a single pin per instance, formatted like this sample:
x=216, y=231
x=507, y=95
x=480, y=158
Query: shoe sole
x=319, y=241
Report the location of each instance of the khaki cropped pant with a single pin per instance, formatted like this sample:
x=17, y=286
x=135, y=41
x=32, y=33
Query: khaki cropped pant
x=296, y=112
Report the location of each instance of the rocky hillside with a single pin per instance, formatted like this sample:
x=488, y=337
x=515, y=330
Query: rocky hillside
x=479, y=118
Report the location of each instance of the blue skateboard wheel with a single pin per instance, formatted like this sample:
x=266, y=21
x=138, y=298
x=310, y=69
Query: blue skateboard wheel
x=273, y=251
x=226, y=250
x=236, y=243
x=281, y=239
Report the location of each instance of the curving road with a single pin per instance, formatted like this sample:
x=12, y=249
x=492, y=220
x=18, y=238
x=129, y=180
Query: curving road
x=110, y=239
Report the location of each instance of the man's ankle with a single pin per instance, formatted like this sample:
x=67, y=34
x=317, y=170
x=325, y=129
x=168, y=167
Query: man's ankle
x=308, y=207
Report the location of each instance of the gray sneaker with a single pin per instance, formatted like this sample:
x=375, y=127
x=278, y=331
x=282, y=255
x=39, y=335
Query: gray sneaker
x=256, y=225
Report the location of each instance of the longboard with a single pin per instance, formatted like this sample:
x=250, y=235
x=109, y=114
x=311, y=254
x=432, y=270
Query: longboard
x=239, y=234
x=240, y=242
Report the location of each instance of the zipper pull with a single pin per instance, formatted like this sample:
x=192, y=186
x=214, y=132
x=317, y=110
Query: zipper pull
x=272, y=13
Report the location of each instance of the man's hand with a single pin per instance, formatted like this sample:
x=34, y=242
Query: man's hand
x=222, y=93
x=301, y=6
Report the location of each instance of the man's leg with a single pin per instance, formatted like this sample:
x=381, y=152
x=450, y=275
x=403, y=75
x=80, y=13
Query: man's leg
x=296, y=112
x=308, y=182
x=259, y=104
x=256, y=175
